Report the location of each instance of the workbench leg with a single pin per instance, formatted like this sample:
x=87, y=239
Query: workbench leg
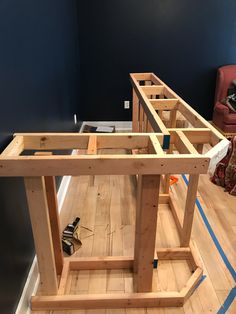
x=38, y=209
x=137, y=225
x=135, y=114
x=51, y=193
x=189, y=209
x=145, y=232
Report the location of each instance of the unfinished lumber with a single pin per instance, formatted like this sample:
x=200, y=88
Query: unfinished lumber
x=164, y=104
x=155, y=158
x=102, y=262
x=38, y=209
x=153, y=90
x=64, y=278
x=189, y=209
x=106, y=164
x=15, y=148
x=145, y=232
x=92, y=150
x=152, y=116
x=135, y=115
x=183, y=145
x=102, y=301
x=173, y=253
x=51, y=195
x=190, y=286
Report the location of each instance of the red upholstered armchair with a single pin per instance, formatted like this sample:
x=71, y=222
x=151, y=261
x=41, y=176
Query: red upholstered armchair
x=223, y=117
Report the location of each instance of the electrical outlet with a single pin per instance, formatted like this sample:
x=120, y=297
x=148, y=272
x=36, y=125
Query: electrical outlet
x=126, y=104
x=75, y=118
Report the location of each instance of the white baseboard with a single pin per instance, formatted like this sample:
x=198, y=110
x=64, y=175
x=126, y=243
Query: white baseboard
x=32, y=281
x=119, y=125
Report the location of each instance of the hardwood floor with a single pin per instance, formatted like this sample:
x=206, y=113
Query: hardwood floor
x=108, y=209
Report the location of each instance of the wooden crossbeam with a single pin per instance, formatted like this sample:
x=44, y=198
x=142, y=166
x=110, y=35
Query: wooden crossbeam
x=190, y=286
x=152, y=90
x=143, y=76
x=15, y=148
x=164, y=104
x=127, y=141
x=103, y=262
x=164, y=198
x=173, y=253
x=155, y=146
x=183, y=145
x=102, y=165
x=194, y=135
x=56, y=141
x=100, y=301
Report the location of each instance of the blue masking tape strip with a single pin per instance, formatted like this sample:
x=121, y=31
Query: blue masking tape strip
x=230, y=298
x=200, y=281
x=213, y=236
x=228, y=301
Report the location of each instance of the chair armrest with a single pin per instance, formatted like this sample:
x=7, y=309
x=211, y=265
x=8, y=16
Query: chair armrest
x=221, y=108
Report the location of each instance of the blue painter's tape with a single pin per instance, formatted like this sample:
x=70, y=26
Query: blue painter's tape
x=200, y=281
x=155, y=263
x=213, y=236
x=230, y=298
x=228, y=301
x=166, y=142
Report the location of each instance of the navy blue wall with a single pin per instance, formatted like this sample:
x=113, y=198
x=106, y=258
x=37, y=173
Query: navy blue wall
x=39, y=66
x=182, y=41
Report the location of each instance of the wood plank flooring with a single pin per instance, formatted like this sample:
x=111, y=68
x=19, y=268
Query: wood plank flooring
x=108, y=209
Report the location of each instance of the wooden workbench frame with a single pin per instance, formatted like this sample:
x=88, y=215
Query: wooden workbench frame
x=154, y=158
x=151, y=96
